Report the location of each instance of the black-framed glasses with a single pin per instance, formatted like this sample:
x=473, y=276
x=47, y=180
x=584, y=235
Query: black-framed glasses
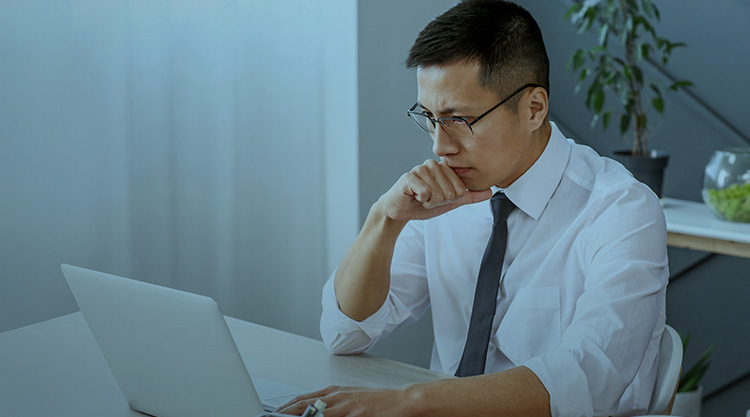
x=456, y=127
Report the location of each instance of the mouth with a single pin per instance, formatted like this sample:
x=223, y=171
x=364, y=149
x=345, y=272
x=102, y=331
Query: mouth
x=461, y=170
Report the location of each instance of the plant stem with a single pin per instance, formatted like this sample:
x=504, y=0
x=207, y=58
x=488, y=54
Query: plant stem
x=639, y=134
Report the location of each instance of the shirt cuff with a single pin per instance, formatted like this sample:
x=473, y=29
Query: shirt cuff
x=372, y=326
x=344, y=335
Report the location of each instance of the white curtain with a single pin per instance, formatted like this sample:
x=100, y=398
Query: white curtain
x=182, y=142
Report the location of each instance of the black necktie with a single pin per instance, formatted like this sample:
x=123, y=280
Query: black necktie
x=485, y=297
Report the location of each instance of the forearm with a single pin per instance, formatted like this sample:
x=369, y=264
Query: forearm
x=362, y=279
x=514, y=392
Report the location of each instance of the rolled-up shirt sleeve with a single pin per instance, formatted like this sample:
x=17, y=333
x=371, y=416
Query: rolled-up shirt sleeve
x=407, y=300
x=619, y=313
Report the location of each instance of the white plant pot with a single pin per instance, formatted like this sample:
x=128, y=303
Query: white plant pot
x=688, y=404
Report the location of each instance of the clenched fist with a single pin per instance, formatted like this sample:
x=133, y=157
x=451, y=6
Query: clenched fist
x=427, y=191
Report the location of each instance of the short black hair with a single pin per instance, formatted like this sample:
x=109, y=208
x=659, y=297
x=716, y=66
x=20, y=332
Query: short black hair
x=502, y=37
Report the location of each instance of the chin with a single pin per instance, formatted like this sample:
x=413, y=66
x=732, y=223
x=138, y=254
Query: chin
x=476, y=186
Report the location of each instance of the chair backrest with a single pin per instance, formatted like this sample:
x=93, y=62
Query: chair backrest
x=668, y=371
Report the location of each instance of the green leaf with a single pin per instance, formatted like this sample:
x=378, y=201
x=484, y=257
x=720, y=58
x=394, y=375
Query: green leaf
x=644, y=49
x=581, y=77
x=692, y=376
x=598, y=101
x=611, y=78
x=629, y=24
x=638, y=74
x=680, y=84
x=576, y=7
x=587, y=20
x=578, y=59
x=640, y=20
x=677, y=45
x=648, y=8
x=605, y=119
x=628, y=71
x=624, y=123
x=584, y=73
x=594, y=120
x=603, y=34
x=661, y=43
x=633, y=5
x=658, y=103
x=655, y=89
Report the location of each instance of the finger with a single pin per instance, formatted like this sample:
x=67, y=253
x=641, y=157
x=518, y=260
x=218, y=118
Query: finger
x=471, y=197
x=309, y=398
x=296, y=408
x=427, y=173
x=453, y=181
x=477, y=196
x=415, y=187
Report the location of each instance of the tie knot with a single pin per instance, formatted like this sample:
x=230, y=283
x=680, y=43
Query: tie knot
x=501, y=207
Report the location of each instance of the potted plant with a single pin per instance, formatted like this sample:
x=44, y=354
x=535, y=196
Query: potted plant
x=627, y=40
x=689, y=397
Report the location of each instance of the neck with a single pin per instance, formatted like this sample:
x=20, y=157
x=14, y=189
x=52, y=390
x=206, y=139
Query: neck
x=538, y=142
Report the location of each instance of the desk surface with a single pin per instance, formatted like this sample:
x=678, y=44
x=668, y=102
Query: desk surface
x=691, y=225
x=55, y=368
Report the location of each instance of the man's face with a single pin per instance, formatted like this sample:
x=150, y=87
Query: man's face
x=501, y=148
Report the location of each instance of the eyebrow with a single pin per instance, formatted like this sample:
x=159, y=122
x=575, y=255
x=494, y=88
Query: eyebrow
x=447, y=110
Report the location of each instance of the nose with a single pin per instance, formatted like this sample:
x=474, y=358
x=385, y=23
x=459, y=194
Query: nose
x=443, y=144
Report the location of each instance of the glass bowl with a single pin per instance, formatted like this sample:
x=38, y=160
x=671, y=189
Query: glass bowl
x=726, y=184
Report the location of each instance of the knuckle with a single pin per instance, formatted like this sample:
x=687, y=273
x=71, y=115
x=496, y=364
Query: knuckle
x=419, y=169
x=409, y=177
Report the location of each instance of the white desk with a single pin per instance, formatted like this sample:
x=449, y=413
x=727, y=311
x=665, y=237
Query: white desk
x=690, y=225
x=55, y=368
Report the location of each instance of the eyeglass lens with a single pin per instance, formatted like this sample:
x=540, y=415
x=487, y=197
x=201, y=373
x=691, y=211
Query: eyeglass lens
x=455, y=127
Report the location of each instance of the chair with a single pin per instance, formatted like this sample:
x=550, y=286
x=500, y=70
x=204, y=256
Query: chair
x=667, y=373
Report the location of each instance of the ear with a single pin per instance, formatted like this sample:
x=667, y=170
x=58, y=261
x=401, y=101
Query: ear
x=538, y=106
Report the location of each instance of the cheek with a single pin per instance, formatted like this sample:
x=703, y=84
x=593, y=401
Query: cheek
x=491, y=151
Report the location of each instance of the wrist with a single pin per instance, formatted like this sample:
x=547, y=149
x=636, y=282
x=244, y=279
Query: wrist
x=379, y=217
x=415, y=401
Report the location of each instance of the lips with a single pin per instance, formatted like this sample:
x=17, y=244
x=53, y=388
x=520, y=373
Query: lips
x=461, y=170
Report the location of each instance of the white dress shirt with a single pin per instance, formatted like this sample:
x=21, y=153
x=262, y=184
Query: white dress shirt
x=581, y=301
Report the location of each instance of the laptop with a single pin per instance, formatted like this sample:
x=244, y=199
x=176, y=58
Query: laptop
x=170, y=351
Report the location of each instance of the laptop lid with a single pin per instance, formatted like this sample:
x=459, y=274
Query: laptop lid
x=170, y=351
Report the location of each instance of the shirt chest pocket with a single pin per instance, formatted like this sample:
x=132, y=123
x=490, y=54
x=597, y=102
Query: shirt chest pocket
x=531, y=326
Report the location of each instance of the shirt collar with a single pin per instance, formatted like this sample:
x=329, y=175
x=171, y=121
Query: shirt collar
x=532, y=191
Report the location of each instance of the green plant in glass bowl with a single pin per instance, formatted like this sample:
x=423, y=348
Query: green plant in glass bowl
x=726, y=184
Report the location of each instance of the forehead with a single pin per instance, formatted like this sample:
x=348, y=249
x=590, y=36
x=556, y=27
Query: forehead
x=453, y=87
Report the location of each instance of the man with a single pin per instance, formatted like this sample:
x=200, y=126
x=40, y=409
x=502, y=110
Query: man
x=574, y=246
